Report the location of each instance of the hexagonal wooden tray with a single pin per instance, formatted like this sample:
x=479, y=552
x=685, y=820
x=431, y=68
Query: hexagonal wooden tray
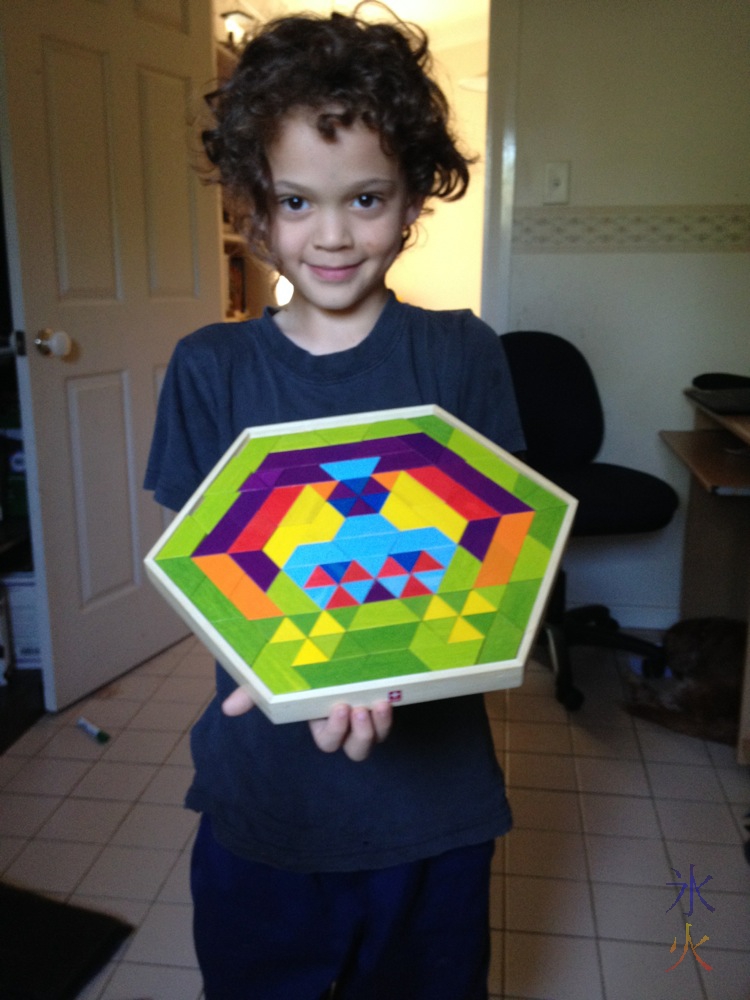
x=396, y=554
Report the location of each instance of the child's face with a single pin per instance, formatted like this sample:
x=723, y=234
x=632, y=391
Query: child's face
x=338, y=218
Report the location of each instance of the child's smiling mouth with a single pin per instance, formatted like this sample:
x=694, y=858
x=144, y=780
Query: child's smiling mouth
x=328, y=272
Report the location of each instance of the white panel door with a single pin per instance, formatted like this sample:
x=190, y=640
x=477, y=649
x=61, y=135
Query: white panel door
x=114, y=240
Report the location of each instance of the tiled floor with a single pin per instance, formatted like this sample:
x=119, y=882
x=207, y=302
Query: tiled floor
x=604, y=806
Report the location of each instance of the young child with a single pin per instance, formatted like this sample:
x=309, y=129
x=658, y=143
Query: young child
x=355, y=851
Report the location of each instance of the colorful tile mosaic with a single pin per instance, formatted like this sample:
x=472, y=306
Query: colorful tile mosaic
x=363, y=557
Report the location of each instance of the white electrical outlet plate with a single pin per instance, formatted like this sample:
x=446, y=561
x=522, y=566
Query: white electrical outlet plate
x=557, y=183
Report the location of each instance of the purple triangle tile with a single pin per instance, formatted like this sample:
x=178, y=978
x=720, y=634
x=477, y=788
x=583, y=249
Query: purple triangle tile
x=478, y=535
x=232, y=524
x=378, y=593
x=258, y=566
x=493, y=494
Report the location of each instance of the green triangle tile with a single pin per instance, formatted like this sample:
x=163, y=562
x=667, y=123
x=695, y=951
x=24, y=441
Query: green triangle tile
x=502, y=642
x=519, y=600
x=487, y=462
x=344, y=616
x=432, y=632
x=183, y=541
x=236, y=471
x=531, y=562
x=397, y=664
x=247, y=638
x=417, y=605
x=455, y=599
x=183, y=572
x=328, y=644
x=437, y=429
x=397, y=427
x=306, y=622
x=323, y=675
x=546, y=525
x=341, y=435
x=458, y=654
x=493, y=595
x=381, y=614
x=461, y=573
x=348, y=647
x=212, y=508
x=210, y=601
x=535, y=495
x=268, y=626
x=358, y=669
x=286, y=595
x=388, y=637
x=273, y=666
x=482, y=622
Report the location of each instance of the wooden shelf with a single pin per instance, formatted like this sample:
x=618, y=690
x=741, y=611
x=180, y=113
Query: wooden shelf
x=718, y=459
x=737, y=424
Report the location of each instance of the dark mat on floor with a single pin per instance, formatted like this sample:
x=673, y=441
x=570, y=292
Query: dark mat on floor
x=50, y=950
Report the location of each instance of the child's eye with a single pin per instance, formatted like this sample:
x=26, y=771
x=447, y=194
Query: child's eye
x=367, y=200
x=294, y=202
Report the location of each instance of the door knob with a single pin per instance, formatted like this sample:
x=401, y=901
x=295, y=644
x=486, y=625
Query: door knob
x=53, y=342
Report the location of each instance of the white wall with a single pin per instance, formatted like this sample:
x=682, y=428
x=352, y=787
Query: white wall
x=443, y=270
x=646, y=269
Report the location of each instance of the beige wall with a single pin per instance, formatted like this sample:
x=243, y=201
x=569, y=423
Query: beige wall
x=443, y=269
x=648, y=268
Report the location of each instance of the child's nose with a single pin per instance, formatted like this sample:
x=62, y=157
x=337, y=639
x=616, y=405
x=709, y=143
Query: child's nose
x=332, y=231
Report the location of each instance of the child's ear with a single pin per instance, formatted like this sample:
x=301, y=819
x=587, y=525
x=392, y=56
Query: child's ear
x=413, y=209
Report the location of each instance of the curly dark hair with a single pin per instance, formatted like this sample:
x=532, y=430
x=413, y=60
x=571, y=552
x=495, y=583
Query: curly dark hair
x=346, y=70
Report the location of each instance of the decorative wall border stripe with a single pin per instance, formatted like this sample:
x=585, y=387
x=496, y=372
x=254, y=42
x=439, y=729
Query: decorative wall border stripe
x=633, y=229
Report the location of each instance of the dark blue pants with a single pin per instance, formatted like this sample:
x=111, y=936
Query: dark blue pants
x=416, y=931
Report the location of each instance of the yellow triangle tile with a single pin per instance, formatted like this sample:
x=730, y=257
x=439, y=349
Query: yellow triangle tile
x=287, y=632
x=437, y=608
x=327, y=625
x=309, y=653
x=463, y=631
x=477, y=605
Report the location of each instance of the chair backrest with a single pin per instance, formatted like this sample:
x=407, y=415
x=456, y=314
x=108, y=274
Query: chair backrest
x=558, y=401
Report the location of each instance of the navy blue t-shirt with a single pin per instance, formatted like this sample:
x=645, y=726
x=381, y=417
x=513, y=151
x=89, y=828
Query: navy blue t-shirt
x=434, y=784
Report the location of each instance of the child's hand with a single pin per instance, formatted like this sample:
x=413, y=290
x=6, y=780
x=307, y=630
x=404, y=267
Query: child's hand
x=353, y=730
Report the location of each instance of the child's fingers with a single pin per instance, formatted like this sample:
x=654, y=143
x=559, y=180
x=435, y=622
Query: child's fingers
x=362, y=736
x=382, y=719
x=329, y=734
x=238, y=702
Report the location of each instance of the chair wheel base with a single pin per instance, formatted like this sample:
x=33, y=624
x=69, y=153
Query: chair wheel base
x=571, y=699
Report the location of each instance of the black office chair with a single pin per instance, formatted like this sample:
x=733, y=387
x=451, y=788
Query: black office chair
x=563, y=422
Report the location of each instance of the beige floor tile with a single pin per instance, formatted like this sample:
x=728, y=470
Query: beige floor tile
x=550, y=967
x=548, y=906
x=50, y=866
x=538, y=770
x=164, y=937
x=684, y=781
x=160, y=826
x=605, y=741
x=550, y=853
x=638, y=971
x=128, y=873
x=624, y=815
x=88, y=821
x=622, y=777
x=626, y=860
x=710, y=822
x=115, y=780
x=528, y=737
x=724, y=862
x=542, y=809
x=130, y=980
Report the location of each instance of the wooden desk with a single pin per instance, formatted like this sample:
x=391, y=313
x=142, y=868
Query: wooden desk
x=716, y=558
